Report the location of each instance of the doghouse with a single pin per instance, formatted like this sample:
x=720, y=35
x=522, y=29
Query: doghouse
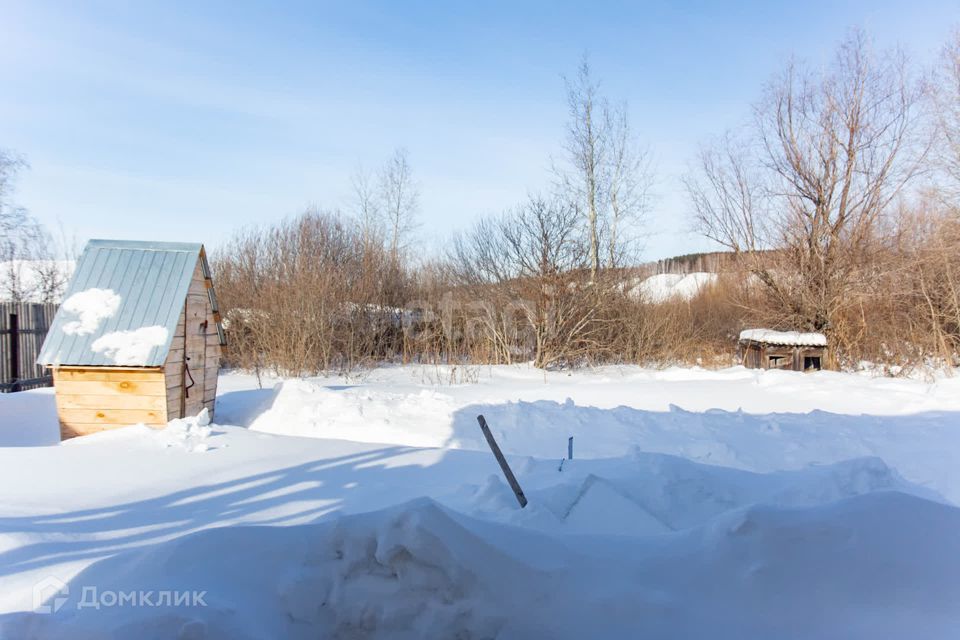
x=767, y=349
x=137, y=339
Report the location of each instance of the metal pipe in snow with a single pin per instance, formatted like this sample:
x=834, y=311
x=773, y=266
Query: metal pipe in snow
x=511, y=479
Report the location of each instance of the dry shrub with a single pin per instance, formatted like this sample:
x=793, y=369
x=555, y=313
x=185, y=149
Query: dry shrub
x=312, y=294
x=907, y=312
x=699, y=331
x=309, y=295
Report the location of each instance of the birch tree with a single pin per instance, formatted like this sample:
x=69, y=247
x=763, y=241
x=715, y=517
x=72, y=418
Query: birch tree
x=606, y=174
x=399, y=201
x=586, y=147
x=628, y=175
x=367, y=206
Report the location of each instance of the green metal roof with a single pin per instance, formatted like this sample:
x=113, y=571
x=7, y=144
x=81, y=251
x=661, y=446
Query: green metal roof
x=152, y=280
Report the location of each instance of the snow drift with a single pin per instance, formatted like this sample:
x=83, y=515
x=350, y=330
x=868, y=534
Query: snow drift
x=920, y=446
x=419, y=570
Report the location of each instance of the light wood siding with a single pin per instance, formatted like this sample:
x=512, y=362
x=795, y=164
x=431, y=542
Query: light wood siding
x=95, y=399
x=196, y=339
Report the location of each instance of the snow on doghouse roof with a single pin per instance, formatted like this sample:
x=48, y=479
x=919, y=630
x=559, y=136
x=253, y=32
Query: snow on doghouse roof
x=791, y=338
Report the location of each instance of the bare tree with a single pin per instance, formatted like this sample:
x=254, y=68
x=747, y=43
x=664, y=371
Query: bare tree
x=945, y=91
x=367, y=206
x=628, y=175
x=399, y=200
x=12, y=217
x=586, y=147
x=725, y=193
x=53, y=262
x=607, y=174
x=826, y=155
x=35, y=265
x=22, y=238
x=526, y=272
x=17, y=228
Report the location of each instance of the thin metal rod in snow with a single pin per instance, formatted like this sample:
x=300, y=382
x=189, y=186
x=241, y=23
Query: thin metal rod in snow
x=511, y=479
x=570, y=448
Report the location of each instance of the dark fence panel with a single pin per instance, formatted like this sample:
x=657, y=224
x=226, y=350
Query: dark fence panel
x=23, y=326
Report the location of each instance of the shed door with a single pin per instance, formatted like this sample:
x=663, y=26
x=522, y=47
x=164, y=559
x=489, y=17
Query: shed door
x=196, y=343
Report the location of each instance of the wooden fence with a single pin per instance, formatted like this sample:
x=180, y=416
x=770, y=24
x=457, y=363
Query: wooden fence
x=23, y=326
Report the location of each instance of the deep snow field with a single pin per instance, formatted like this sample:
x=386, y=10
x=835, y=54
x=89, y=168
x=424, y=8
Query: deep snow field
x=699, y=504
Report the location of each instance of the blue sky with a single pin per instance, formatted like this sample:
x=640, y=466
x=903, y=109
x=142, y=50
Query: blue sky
x=186, y=120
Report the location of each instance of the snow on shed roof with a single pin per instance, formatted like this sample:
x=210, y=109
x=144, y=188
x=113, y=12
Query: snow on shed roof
x=129, y=296
x=791, y=338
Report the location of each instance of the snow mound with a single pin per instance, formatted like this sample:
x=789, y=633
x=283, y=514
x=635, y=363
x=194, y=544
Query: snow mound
x=758, y=441
x=601, y=507
x=304, y=408
x=664, y=287
x=653, y=493
x=130, y=348
x=91, y=307
x=420, y=571
x=791, y=338
x=411, y=571
x=191, y=434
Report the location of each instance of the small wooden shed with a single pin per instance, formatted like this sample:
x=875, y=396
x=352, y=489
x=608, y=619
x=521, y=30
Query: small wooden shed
x=137, y=339
x=790, y=350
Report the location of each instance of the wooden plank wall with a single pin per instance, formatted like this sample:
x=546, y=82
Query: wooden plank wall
x=173, y=372
x=91, y=399
x=202, y=345
x=197, y=312
x=34, y=321
x=212, y=356
x=754, y=355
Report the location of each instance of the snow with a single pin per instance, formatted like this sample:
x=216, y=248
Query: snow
x=91, y=306
x=664, y=287
x=419, y=570
x=28, y=419
x=740, y=418
x=699, y=504
x=132, y=347
x=791, y=338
